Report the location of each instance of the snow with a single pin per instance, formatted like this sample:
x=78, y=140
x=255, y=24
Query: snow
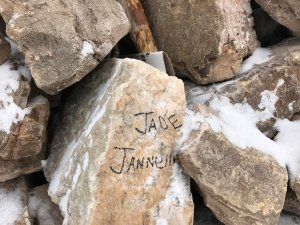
x=87, y=49
x=39, y=208
x=8, y=108
x=150, y=179
x=291, y=106
x=85, y=161
x=288, y=138
x=192, y=121
x=259, y=56
x=177, y=195
x=38, y=100
x=11, y=206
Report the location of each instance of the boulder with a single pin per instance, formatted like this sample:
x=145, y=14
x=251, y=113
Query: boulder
x=42, y=210
x=14, y=203
x=270, y=88
x=285, y=12
x=112, y=155
x=240, y=186
x=206, y=40
x=63, y=40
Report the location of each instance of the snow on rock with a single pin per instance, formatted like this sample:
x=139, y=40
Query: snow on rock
x=87, y=49
x=10, y=112
x=42, y=209
x=13, y=206
x=259, y=56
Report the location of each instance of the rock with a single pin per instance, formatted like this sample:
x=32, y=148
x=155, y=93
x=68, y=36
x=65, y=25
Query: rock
x=13, y=202
x=268, y=31
x=206, y=40
x=285, y=12
x=29, y=137
x=270, y=88
x=291, y=204
x=240, y=186
x=63, y=52
x=117, y=133
x=10, y=169
x=23, y=123
x=42, y=210
x=4, y=49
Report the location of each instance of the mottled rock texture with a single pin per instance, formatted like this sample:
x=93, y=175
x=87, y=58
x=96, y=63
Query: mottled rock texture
x=63, y=40
x=206, y=40
x=112, y=156
x=240, y=186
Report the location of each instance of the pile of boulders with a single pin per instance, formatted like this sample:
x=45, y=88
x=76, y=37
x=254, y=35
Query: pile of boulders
x=124, y=142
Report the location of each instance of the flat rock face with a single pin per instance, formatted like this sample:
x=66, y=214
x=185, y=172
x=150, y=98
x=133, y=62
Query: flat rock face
x=271, y=88
x=206, y=40
x=13, y=203
x=42, y=210
x=112, y=156
x=285, y=12
x=63, y=40
x=240, y=186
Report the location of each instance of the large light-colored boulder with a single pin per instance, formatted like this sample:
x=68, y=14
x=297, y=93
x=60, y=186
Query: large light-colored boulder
x=206, y=40
x=271, y=87
x=285, y=12
x=240, y=186
x=63, y=40
x=42, y=210
x=112, y=155
x=14, y=203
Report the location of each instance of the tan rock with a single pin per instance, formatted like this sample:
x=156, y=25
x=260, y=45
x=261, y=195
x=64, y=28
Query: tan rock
x=10, y=169
x=285, y=12
x=112, y=155
x=14, y=203
x=291, y=204
x=241, y=186
x=70, y=37
x=42, y=210
x=29, y=137
x=206, y=40
x=270, y=88
x=4, y=49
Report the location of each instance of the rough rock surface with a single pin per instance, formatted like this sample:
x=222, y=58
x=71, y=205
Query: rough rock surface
x=291, y=204
x=63, y=40
x=28, y=138
x=230, y=178
x=4, y=49
x=206, y=40
x=42, y=210
x=131, y=173
x=277, y=81
x=285, y=12
x=22, y=123
x=14, y=202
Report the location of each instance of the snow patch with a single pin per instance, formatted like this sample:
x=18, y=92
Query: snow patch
x=87, y=49
x=259, y=56
x=10, y=206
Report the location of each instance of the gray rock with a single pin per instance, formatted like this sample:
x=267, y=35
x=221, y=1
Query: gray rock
x=63, y=40
x=112, y=155
x=206, y=40
x=285, y=12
